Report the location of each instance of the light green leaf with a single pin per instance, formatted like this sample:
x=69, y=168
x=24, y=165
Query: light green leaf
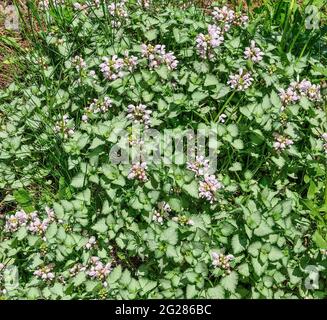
x=230, y=281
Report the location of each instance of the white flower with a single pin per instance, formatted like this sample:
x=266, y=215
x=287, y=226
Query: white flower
x=288, y=96
x=206, y=43
x=45, y=273
x=157, y=56
x=162, y=212
x=281, y=142
x=139, y=114
x=221, y=261
x=112, y=69
x=138, y=171
x=208, y=188
x=222, y=118
x=253, y=53
x=64, y=126
x=200, y=166
x=79, y=63
x=91, y=243
x=241, y=80
x=98, y=270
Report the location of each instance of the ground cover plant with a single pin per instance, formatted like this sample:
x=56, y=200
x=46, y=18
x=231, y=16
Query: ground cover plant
x=103, y=78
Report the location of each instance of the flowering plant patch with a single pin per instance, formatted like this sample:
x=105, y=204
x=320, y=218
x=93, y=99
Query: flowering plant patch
x=95, y=205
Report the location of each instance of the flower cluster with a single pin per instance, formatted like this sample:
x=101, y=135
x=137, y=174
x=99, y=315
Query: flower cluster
x=253, y=53
x=139, y=114
x=288, y=96
x=208, y=188
x=112, y=69
x=135, y=141
x=97, y=106
x=45, y=273
x=298, y=89
x=89, y=4
x=222, y=118
x=281, y=142
x=205, y=43
x=64, y=126
x=98, y=270
x=221, y=261
x=45, y=4
x=157, y=56
x=79, y=63
x=138, y=171
x=91, y=243
x=200, y=166
x=130, y=62
x=14, y=222
x=118, y=10
x=77, y=268
x=144, y=3
x=241, y=80
x=228, y=17
x=183, y=220
x=32, y=221
x=306, y=88
x=162, y=212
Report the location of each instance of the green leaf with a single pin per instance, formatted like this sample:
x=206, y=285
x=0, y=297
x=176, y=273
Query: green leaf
x=198, y=96
x=96, y=143
x=151, y=34
x=319, y=240
x=192, y=189
x=280, y=161
x=163, y=72
x=78, y=180
x=115, y=274
x=233, y=130
x=238, y=144
x=100, y=226
x=51, y=231
x=275, y=254
x=239, y=244
x=236, y=167
x=191, y=291
x=216, y=292
x=230, y=281
x=21, y=233
x=243, y=269
x=211, y=80
x=79, y=278
x=22, y=197
x=125, y=278
x=263, y=229
x=170, y=235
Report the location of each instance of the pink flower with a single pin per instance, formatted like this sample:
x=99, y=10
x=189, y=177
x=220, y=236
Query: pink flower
x=221, y=261
x=281, y=142
x=208, y=188
x=200, y=166
x=139, y=114
x=138, y=171
x=241, y=80
x=253, y=53
x=157, y=56
x=206, y=43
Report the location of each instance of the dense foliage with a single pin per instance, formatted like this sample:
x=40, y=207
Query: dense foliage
x=75, y=225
